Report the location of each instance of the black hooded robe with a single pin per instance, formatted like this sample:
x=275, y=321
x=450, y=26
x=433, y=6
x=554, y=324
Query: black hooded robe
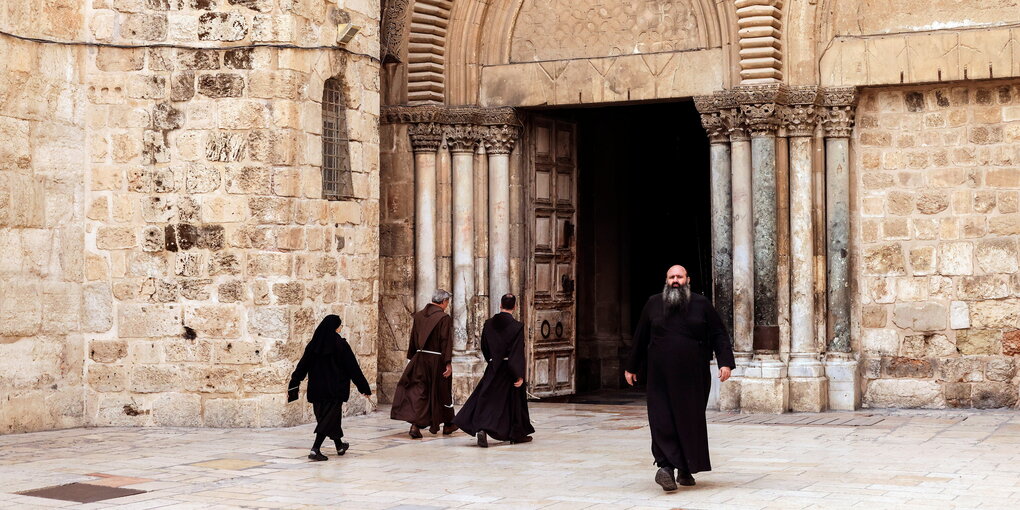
x=496, y=406
x=677, y=348
x=331, y=366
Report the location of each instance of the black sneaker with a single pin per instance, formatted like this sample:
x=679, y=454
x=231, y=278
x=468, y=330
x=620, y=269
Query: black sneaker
x=483, y=440
x=317, y=456
x=664, y=477
x=341, y=447
x=684, y=478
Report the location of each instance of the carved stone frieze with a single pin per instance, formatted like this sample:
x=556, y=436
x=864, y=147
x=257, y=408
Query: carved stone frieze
x=394, y=25
x=425, y=136
x=461, y=137
x=838, y=116
x=500, y=139
x=450, y=115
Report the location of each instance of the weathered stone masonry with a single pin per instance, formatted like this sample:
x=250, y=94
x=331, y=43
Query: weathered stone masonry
x=205, y=252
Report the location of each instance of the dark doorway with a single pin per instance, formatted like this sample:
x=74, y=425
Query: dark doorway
x=643, y=186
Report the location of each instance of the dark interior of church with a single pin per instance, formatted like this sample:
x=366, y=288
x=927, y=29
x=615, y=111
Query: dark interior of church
x=643, y=187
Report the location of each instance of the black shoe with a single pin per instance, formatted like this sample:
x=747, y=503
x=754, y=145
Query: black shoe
x=664, y=477
x=341, y=447
x=317, y=456
x=483, y=441
x=450, y=429
x=525, y=439
x=434, y=429
x=415, y=432
x=684, y=478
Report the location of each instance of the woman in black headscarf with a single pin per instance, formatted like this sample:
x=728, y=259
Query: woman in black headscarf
x=330, y=365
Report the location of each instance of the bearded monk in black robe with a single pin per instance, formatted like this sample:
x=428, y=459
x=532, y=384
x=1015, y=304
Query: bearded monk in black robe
x=424, y=395
x=330, y=365
x=675, y=338
x=499, y=405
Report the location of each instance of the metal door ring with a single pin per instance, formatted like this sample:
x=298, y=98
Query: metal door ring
x=545, y=329
x=559, y=329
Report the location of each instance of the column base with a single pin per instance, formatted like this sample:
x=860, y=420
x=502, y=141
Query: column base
x=467, y=371
x=809, y=389
x=765, y=387
x=728, y=393
x=841, y=369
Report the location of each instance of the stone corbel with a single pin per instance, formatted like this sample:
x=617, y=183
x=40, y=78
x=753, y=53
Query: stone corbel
x=839, y=105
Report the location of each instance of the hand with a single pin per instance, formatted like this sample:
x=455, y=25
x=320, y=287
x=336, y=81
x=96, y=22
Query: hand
x=724, y=373
x=519, y=382
x=631, y=378
x=449, y=370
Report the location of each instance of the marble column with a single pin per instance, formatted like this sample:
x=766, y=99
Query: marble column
x=840, y=366
x=742, y=247
x=499, y=143
x=722, y=209
x=462, y=140
x=808, y=385
x=425, y=140
x=765, y=387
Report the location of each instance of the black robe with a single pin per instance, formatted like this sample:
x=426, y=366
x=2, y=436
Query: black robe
x=496, y=406
x=677, y=348
x=330, y=365
x=423, y=397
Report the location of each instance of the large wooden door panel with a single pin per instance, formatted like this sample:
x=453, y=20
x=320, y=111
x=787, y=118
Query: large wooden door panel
x=552, y=211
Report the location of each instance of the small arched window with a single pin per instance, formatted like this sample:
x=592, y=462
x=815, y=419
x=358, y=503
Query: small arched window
x=336, y=154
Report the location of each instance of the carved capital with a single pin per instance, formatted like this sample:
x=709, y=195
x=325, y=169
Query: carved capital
x=800, y=116
x=711, y=119
x=500, y=139
x=760, y=106
x=725, y=102
x=425, y=136
x=839, y=104
x=461, y=137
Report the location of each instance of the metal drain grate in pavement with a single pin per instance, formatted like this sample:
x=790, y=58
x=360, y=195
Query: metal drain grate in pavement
x=81, y=492
x=799, y=419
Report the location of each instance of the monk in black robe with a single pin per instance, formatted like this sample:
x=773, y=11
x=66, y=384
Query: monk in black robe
x=424, y=395
x=499, y=405
x=330, y=365
x=675, y=338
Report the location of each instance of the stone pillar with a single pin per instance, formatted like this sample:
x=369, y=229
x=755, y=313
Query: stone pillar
x=743, y=235
x=808, y=386
x=462, y=140
x=840, y=366
x=499, y=143
x=425, y=140
x=765, y=387
x=722, y=217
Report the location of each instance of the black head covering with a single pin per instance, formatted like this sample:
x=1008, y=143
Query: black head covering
x=325, y=338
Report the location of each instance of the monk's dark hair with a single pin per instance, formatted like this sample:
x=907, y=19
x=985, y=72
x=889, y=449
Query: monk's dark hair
x=508, y=301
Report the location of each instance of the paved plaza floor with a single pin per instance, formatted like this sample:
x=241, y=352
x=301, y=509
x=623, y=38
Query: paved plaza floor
x=585, y=456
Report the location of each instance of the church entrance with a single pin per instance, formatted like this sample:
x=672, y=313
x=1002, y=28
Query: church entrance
x=642, y=205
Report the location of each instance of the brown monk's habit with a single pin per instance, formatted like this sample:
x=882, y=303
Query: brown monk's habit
x=677, y=348
x=424, y=397
x=496, y=407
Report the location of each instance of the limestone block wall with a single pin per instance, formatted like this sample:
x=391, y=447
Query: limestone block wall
x=210, y=254
x=42, y=135
x=167, y=250
x=937, y=176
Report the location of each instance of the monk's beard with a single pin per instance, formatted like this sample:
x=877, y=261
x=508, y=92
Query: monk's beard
x=675, y=299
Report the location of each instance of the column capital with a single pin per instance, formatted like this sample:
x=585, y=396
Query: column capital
x=711, y=120
x=500, y=139
x=800, y=116
x=839, y=105
x=425, y=136
x=461, y=137
x=725, y=102
x=760, y=106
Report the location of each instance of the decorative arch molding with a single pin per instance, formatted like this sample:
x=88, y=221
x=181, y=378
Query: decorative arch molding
x=480, y=33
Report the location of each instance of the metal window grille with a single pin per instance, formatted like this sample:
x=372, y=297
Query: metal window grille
x=336, y=161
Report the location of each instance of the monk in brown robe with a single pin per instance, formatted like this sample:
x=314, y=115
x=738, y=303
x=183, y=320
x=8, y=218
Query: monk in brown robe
x=424, y=394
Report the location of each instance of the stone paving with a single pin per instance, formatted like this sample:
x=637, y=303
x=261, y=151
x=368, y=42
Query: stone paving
x=583, y=457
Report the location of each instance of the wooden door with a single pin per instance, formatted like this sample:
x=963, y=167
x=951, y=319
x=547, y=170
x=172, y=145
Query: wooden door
x=552, y=217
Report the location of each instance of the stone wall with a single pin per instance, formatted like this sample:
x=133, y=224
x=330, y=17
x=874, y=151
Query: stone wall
x=938, y=187
x=42, y=148
x=205, y=252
